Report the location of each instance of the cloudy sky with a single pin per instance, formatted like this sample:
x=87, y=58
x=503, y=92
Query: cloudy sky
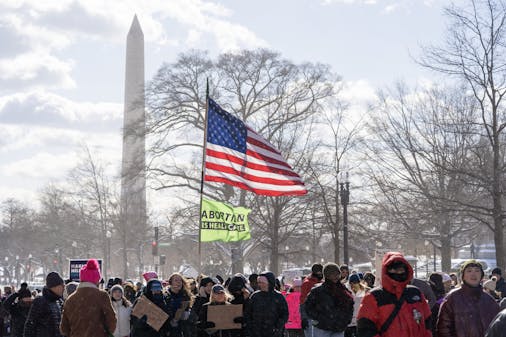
x=62, y=62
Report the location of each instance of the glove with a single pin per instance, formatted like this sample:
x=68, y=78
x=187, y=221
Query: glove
x=207, y=325
x=144, y=319
x=305, y=324
x=239, y=320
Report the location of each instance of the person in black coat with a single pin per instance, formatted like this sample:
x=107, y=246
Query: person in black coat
x=238, y=288
x=330, y=304
x=267, y=311
x=45, y=314
x=18, y=305
x=498, y=326
x=140, y=327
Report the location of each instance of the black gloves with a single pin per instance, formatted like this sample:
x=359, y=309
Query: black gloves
x=305, y=324
x=206, y=325
x=239, y=320
x=144, y=319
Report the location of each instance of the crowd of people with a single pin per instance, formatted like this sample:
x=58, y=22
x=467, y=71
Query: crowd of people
x=330, y=302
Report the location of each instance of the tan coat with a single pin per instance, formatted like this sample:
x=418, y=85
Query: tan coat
x=88, y=313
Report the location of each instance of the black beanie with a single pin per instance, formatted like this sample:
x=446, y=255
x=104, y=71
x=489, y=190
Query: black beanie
x=24, y=292
x=207, y=280
x=53, y=279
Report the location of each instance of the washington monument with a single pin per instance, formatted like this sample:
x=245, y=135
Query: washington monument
x=133, y=173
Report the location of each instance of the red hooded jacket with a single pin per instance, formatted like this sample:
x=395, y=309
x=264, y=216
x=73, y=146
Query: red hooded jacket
x=414, y=316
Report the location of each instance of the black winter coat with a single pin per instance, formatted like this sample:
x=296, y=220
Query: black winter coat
x=45, y=316
x=267, y=311
x=18, y=313
x=245, y=302
x=498, y=325
x=332, y=312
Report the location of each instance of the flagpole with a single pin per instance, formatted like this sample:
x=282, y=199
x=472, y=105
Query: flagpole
x=203, y=175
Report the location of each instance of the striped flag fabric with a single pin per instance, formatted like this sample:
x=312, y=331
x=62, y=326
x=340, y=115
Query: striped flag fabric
x=238, y=156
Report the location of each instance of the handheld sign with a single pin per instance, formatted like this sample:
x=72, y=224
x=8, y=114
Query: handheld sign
x=156, y=316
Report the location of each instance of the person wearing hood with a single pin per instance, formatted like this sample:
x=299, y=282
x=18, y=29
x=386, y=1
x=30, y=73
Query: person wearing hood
x=467, y=311
x=45, y=314
x=140, y=327
x=396, y=308
x=123, y=308
x=330, y=304
x=238, y=288
x=88, y=312
x=18, y=306
x=267, y=311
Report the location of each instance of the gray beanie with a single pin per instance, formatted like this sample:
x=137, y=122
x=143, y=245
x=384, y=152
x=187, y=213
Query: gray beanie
x=330, y=268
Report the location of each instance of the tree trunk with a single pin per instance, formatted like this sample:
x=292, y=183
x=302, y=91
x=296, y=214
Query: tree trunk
x=497, y=199
x=236, y=255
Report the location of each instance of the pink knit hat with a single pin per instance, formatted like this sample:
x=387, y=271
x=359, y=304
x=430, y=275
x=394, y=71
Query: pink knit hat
x=90, y=272
x=149, y=275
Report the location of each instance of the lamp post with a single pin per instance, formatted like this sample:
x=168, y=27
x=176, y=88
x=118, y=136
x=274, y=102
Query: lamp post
x=345, y=200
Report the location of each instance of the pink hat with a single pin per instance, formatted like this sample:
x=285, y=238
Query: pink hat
x=149, y=275
x=90, y=272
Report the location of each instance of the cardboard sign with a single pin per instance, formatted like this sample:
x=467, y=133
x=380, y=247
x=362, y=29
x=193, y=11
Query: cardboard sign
x=156, y=316
x=223, y=316
x=75, y=266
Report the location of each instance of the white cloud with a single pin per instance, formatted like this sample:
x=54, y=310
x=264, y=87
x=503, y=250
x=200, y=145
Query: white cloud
x=388, y=6
x=35, y=70
x=358, y=91
x=47, y=109
x=35, y=34
x=42, y=165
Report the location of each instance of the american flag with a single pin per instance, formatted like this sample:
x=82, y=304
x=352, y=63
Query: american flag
x=238, y=156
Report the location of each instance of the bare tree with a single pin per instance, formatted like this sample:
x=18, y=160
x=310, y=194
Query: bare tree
x=421, y=140
x=474, y=52
x=93, y=191
x=341, y=136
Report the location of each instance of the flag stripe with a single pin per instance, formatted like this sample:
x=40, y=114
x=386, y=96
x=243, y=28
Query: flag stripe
x=248, y=160
x=251, y=177
x=273, y=193
x=253, y=184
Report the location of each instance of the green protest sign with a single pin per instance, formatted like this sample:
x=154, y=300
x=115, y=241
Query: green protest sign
x=221, y=222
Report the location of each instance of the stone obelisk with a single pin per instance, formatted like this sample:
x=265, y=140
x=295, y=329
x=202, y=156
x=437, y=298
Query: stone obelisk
x=133, y=173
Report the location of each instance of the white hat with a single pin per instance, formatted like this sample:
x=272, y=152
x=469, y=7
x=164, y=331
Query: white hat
x=490, y=285
x=446, y=277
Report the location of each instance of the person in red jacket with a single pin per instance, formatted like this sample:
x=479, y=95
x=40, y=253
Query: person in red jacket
x=309, y=282
x=396, y=308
